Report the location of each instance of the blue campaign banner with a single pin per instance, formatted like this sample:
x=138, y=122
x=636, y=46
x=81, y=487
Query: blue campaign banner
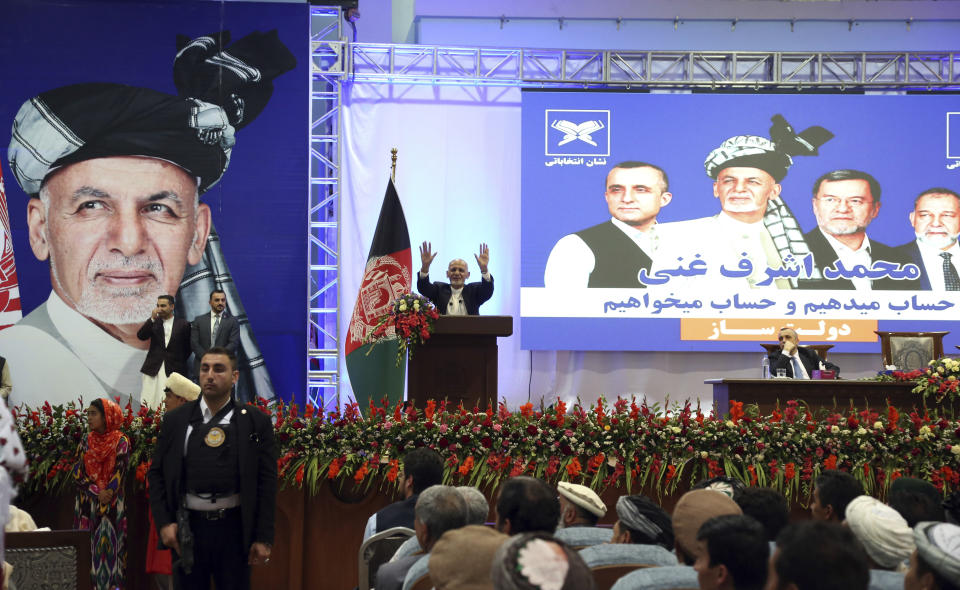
x=806, y=219
x=258, y=208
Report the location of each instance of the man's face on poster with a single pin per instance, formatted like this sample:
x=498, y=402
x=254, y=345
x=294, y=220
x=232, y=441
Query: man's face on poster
x=936, y=219
x=635, y=195
x=844, y=207
x=745, y=190
x=119, y=232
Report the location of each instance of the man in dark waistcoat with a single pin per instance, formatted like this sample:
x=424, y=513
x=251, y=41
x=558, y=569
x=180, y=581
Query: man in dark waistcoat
x=612, y=253
x=216, y=463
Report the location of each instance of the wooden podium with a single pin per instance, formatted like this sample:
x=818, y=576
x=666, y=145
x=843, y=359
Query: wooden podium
x=459, y=361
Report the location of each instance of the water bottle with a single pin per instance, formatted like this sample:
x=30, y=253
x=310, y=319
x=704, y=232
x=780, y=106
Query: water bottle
x=765, y=367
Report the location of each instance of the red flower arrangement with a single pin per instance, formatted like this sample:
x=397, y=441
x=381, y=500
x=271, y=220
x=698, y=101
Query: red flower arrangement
x=410, y=322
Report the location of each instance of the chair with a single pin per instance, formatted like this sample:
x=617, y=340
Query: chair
x=607, y=575
x=54, y=559
x=630, y=554
x=820, y=348
x=885, y=580
x=378, y=550
x=910, y=350
x=676, y=577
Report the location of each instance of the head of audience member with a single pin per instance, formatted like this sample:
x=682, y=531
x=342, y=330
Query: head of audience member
x=733, y=554
x=916, y=500
x=179, y=390
x=723, y=484
x=422, y=468
x=813, y=555
x=844, y=203
x=450, y=570
x=884, y=534
x=692, y=510
x=768, y=507
x=477, y=506
x=537, y=561
x=832, y=491
x=642, y=521
x=635, y=193
x=525, y=505
x=936, y=217
x=457, y=273
x=579, y=505
x=935, y=565
x=438, y=510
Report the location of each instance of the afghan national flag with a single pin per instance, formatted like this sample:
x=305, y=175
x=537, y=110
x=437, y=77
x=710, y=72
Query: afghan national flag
x=374, y=372
x=9, y=288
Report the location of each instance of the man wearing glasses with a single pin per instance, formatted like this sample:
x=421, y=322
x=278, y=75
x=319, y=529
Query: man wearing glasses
x=844, y=203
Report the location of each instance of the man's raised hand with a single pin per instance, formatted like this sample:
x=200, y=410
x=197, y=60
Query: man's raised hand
x=426, y=257
x=483, y=258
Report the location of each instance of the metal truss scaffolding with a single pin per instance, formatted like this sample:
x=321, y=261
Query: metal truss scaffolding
x=335, y=61
x=323, y=255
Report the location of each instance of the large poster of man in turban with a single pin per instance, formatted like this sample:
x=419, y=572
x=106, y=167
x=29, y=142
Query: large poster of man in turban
x=164, y=154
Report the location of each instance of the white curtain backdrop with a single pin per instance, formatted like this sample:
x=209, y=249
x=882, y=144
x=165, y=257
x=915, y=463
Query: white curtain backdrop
x=458, y=176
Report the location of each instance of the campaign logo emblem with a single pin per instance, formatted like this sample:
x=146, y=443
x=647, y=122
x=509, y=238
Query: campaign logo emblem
x=577, y=132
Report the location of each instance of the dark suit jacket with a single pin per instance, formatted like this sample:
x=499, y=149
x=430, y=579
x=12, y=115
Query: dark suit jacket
x=228, y=336
x=397, y=514
x=258, y=470
x=824, y=256
x=911, y=251
x=174, y=355
x=474, y=294
x=808, y=356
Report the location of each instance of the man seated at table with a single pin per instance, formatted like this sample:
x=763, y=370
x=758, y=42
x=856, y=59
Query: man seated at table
x=799, y=361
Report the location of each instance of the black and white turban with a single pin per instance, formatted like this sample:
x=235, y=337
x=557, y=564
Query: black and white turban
x=771, y=155
x=220, y=89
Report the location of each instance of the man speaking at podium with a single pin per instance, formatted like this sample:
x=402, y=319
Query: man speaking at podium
x=799, y=361
x=456, y=297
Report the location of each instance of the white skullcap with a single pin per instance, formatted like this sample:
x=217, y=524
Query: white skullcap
x=938, y=544
x=881, y=530
x=583, y=497
x=182, y=387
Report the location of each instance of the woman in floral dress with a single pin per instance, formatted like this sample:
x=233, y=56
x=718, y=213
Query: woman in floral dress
x=100, y=506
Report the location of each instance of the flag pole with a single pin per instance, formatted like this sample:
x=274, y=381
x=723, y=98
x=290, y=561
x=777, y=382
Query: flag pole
x=393, y=164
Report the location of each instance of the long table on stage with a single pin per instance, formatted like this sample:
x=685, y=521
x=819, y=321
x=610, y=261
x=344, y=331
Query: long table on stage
x=817, y=393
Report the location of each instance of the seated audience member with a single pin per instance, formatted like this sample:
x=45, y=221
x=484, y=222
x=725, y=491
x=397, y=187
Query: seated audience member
x=935, y=565
x=692, y=510
x=818, y=556
x=477, y=510
x=733, y=554
x=439, y=509
x=723, y=484
x=537, y=561
x=527, y=505
x=916, y=500
x=884, y=534
x=768, y=507
x=422, y=468
x=642, y=535
x=462, y=558
x=580, y=509
x=832, y=491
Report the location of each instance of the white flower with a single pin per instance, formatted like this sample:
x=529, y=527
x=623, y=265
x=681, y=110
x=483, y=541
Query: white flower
x=925, y=432
x=403, y=306
x=834, y=429
x=675, y=429
x=704, y=454
x=878, y=425
x=861, y=431
x=730, y=424
x=955, y=449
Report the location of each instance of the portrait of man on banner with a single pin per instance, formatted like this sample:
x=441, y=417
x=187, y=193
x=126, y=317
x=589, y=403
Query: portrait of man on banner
x=115, y=177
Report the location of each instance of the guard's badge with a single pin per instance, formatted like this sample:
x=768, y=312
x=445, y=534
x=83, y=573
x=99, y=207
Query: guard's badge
x=215, y=437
